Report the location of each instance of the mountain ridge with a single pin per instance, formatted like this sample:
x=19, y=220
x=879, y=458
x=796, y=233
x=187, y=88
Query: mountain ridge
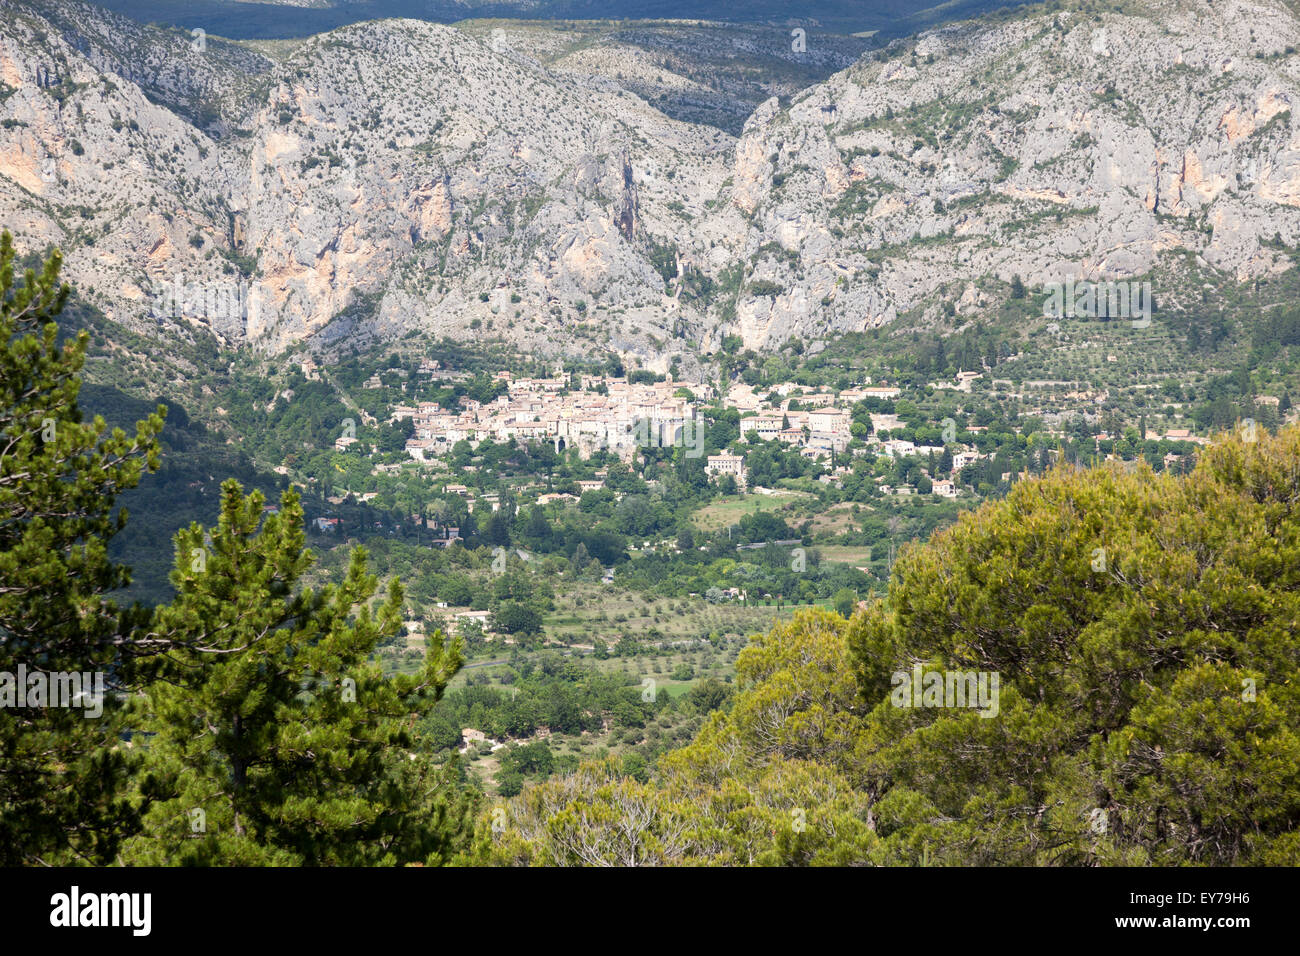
x=399, y=177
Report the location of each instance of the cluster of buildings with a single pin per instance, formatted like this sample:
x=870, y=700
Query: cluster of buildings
x=605, y=413
x=817, y=423
x=601, y=414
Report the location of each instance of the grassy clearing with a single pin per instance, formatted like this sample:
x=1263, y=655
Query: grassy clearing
x=857, y=556
x=729, y=511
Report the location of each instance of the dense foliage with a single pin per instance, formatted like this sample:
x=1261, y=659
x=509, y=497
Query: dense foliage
x=61, y=777
x=273, y=738
x=1143, y=630
x=259, y=730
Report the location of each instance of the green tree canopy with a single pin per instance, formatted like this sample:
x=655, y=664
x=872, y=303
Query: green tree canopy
x=62, y=772
x=275, y=738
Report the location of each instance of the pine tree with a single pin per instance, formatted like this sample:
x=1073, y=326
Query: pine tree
x=62, y=771
x=278, y=741
x=1143, y=630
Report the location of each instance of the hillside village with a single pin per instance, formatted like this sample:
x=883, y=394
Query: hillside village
x=604, y=413
x=868, y=448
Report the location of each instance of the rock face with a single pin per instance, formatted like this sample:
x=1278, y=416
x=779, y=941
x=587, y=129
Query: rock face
x=398, y=175
x=107, y=150
x=383, y=177
x=1066, y=144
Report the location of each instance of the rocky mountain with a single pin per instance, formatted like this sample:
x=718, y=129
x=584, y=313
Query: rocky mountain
x=696, y=70
x=1099, y=145
x=398, y=177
